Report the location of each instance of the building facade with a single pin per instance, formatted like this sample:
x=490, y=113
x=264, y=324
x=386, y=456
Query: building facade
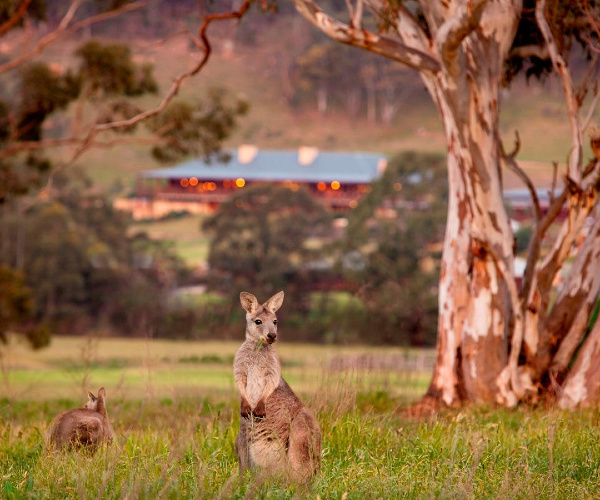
x=337, y=179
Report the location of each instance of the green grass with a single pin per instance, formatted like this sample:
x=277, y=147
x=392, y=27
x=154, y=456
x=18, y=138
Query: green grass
x=175, y=424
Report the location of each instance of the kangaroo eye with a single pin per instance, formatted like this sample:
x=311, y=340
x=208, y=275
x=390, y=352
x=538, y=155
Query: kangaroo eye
x=274, y=321
x=257, y=322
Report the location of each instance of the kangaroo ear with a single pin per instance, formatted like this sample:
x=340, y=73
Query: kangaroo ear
x=249, y=302
x=91, y=397
x=101, y=393
x=274, y=303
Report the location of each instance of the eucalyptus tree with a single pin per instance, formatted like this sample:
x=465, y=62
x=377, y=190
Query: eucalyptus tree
x=498, y=343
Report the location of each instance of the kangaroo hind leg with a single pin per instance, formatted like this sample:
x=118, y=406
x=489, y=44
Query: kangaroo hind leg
x=304, y=452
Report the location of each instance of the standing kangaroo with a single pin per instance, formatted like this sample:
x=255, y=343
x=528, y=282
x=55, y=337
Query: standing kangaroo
x=81, y=427
x=277, y=431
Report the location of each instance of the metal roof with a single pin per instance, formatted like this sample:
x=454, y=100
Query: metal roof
x=281, y=165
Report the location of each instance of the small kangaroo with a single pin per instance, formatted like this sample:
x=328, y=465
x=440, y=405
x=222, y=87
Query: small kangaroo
x=86, y=427
x=277, y=431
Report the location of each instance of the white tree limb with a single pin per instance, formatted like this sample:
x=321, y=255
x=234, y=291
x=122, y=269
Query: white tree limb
x=454, y=30
x=405, y=24
x=561, y=68
x=365, y=39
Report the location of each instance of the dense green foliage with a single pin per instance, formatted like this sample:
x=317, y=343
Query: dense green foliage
x=82, y=267
x=185, y=128
x=394, y=237
x=261, y=243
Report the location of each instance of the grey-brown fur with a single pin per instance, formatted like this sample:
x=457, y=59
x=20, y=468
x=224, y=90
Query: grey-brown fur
x=86, y=427
x=278, y=433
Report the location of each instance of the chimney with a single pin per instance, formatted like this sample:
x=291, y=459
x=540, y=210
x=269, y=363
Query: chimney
x=306, y=155
x=247, y=153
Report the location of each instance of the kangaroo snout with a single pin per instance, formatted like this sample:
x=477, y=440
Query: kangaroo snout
x=271, y=337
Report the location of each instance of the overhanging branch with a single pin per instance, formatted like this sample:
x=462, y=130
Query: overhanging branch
x=365, y=39
x=406, y=25
x=14, y=19
x=562, y=69
x=89, y=140
x=64, y=29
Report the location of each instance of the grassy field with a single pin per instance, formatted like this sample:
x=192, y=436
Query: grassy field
x=174, y=411
x=185, y=233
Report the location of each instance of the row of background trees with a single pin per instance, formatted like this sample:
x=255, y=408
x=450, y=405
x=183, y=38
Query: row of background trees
x=70, y=262
x=527, y=342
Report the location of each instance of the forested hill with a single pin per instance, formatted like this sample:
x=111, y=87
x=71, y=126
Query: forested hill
x=302, y=89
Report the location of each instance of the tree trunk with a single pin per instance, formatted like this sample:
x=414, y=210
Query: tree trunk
x=583, y=383
x=496, y=344
x=475, y=309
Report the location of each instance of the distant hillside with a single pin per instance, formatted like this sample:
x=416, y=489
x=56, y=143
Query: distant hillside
x=258, y=59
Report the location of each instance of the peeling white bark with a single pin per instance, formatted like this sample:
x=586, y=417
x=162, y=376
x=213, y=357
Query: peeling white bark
x=582, y=386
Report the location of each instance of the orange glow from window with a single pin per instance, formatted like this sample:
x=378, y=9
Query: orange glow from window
x=212, y=186
x=335, y=185
x=240, y=182
x=193, y=181
x=184, y=182
x=397, y=186
x=353, y=204
x=321, y=186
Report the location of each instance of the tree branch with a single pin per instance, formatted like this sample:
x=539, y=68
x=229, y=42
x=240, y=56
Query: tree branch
x=510, y=162
x=88, y=141
x=535, y=245
x=454, y=30
x=530, y=51
x=64, y=29
x=561, y=68
x=591, y=111
x=365, y=39
x=12, y=21
x=406, y=26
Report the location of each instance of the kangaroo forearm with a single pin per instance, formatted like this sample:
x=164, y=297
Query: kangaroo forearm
x=241, y=382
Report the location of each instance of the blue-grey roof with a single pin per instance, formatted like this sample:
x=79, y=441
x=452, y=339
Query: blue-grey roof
x=274, y=165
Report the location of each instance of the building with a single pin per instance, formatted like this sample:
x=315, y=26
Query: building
x=337, y=179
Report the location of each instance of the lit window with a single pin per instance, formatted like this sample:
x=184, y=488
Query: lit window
x=397, y=186
x=321, y=186
x=184, y=182
x=240, y=182
x=193, y=181
x=335, y=185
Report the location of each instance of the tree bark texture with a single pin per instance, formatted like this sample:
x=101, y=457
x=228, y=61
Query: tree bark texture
x=494, y=345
